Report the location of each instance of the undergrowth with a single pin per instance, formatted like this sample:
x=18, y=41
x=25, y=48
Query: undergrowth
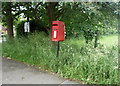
x=86, y=63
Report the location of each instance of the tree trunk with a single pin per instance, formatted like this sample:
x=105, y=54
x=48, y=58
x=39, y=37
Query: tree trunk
x=51, y=13
x=86, y=41
x=9, y=21
x=52, y=17
x=10, y=27
x=96, y=39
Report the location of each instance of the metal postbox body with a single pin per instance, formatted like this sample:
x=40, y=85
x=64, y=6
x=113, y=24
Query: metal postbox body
x=58, y=31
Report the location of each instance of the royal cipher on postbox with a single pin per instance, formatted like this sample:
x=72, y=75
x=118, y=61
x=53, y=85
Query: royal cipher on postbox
x=58, y=31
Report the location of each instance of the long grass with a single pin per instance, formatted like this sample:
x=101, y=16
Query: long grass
x=110, y=40
x=86, y=63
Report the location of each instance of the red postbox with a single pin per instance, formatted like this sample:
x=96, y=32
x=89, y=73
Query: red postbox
x=58, y=31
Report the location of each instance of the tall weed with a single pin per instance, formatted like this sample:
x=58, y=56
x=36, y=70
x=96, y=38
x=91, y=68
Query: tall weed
x=91, y=65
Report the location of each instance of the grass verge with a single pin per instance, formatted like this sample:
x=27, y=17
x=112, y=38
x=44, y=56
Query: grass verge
x=91, y=65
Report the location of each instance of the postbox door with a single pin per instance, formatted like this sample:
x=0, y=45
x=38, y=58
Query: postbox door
x=58, y=29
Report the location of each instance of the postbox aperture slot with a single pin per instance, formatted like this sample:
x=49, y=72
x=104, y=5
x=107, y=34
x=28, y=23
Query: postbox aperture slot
x=55, y=24
x=55, y=29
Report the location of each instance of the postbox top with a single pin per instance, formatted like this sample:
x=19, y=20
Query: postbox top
x=57, y=22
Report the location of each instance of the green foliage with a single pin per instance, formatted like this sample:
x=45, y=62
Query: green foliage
x=89, y=17
x=35, y=25
x=91, y=65
x=80, y=18
x=20, y=29
x=7, y=6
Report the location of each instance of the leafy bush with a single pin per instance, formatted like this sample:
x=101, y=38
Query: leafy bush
x=35, y=25
x=91, y=65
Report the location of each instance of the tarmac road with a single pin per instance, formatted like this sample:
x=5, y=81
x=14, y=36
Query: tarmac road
x=17, y=73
